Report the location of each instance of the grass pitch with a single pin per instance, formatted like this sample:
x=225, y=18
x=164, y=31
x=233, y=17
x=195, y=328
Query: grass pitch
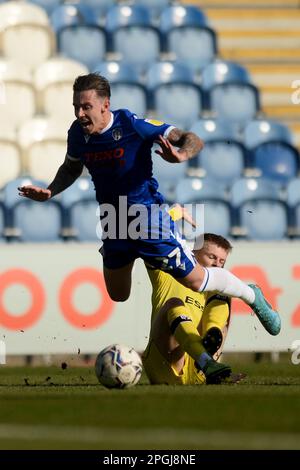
x=52, y=408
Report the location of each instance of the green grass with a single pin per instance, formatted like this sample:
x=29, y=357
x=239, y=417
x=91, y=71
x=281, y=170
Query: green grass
x=51, y=408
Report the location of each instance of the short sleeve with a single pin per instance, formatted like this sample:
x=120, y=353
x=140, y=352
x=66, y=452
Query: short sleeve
x=151, y=128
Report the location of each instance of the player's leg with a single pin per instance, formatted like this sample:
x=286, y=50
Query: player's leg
x=214, y=325
x=118, y=282
x=219, y=279
x=174, y=333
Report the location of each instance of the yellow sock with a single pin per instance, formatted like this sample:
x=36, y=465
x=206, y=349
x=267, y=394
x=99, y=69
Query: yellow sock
x=185, y=332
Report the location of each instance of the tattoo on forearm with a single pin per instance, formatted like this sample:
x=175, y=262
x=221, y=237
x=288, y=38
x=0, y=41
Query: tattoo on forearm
x=186, y=141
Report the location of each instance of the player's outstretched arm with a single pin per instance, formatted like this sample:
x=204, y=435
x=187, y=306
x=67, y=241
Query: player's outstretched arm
x=67, y=173
x=179, y=146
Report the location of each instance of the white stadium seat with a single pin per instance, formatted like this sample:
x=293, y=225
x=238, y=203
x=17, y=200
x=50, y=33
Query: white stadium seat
x=10, y=157
x=25, y=33
x=17, y=94
x=43, y=144
x=53, y=82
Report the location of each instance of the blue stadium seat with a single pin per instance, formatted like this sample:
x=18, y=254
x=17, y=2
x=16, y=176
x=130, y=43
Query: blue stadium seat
x=259, y=211
x=271, y=150
x=154, y=6
x=2, y=221
x=185, y=33
x=100, y=7
x=126, y=86
x=216, y=217
x=276, y=160
x=79, y=36
x=81, y=210
x=293, y=201
x=174, y=94
x=223, y=157
x=259, y=131
x=229, y=92
x=30, y=220
x=133, y=35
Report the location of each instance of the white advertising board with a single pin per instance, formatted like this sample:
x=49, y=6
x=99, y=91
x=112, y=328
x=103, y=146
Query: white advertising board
x=53, y=299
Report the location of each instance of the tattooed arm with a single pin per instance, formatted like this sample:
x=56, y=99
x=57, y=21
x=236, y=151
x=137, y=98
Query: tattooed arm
x=179, y=146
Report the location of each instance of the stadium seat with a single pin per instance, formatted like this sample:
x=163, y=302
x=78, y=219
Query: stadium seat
x=10, y=155
x=81, y=211
x=100, y=8
x=293, y=201
x=271, y=150
x=167, y=174
x=132, y=35
x=18, y=101
x=43, y=144
x=276, y=160
x=209, y=204
x=53, y=82
x=79, y=35
x=260, y=131
x=30, y=220
x=174, y=94
x=154, y=6
x=186, y=33
x=230, y=94
x=2, y=221
x=25, y=33
x=127, y=89
x=48, y=5
x=223, y=158
x=259, y=211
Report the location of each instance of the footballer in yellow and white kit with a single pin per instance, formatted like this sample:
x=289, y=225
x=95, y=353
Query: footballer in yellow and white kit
x=167, y=361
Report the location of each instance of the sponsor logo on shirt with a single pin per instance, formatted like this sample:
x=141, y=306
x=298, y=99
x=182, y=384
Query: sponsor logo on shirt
x=154, y=122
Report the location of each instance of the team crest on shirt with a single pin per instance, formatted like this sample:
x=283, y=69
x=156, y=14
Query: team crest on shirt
x=154, y=122
x=117, y=133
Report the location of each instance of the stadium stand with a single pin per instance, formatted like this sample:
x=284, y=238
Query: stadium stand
x=230, y=93
x=271, y=150
x=157, y=73
x=27, y=221
x=259, y=211
x=10, y=154
x=223, y=158
x=79, y=35
x=187, y=36
x=25, y=33
x=168, y=176
x=53, y=81
x=19, y=103
x=217, y=210
x=293, y=201
x=81, y=211
x=127, y=89
x=264, y=36
x=132, y=35
x=43, y=144
x=174, y=94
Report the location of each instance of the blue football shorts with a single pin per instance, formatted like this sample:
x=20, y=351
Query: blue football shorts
x=158, y=243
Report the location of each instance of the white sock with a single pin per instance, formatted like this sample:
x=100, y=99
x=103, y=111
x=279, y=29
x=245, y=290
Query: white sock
x=223, y=281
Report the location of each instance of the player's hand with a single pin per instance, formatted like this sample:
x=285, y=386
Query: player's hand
x=35, y=193
x=168, y=152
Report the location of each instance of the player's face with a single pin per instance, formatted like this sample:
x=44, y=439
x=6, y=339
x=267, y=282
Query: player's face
x=211, y=255
x=91, y=111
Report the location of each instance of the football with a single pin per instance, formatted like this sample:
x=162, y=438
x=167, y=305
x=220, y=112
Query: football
x=118, y=366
